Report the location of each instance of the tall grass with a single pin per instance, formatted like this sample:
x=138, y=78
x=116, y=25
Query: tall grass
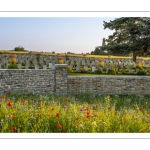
x=84, y=113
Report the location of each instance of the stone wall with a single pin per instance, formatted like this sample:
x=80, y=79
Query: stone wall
x=34, y=80
x=109, y=84
x=56, y=80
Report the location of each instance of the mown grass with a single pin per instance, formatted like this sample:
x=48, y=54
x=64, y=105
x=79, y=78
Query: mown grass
x=84, y=113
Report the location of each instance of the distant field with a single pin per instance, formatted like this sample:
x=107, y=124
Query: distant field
x=70, y=55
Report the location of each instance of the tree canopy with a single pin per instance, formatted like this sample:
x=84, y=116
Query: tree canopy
x=131, y=35
x=19, y=48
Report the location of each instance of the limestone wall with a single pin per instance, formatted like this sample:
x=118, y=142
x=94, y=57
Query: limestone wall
x=34, y=80
x=57, y=80
x=109, y=84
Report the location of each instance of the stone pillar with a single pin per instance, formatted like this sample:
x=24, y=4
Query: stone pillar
x=61, y=76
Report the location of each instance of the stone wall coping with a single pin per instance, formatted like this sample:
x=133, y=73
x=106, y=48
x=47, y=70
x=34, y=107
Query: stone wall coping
x=109, y=76
x=61, y=65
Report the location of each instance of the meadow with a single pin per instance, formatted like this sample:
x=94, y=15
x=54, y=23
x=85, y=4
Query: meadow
x=84, y=113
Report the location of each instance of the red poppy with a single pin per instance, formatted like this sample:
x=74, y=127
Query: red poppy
x=25, y=101
x=14, y=128
x=140, y=109
x=95, y=115
x=87, y=109
x=9, y=104
x=88, y=116
x=59, y=125
x=77, y=118
x=88, y=113
x=65, y=131
x=52, y=108
x=57, y=115
x=48, y=114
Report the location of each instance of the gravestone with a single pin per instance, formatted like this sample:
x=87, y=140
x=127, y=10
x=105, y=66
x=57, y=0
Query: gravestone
x=78, y=68
x=137, y=70
x=93, y=68
x=19, y=66
x=51, y=66
x=27, y=66
x=44, y=67
x=36, y=66
x=86, y=68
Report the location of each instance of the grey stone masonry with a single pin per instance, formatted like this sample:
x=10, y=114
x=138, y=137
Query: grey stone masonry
x=35, y=80
x=109, y=84
x=56, y=80
x=61, y=78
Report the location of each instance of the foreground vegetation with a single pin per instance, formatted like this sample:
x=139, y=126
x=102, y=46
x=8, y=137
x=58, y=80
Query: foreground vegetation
x=37, y=113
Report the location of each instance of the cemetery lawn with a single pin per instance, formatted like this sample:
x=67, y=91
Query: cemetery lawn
x=84, y=113
x=94, y=74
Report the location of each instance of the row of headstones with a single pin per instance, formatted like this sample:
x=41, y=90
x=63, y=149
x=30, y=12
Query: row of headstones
x=46, y=60
x=93, y=69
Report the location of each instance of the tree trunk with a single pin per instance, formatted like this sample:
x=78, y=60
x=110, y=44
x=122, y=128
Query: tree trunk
x=134, y=57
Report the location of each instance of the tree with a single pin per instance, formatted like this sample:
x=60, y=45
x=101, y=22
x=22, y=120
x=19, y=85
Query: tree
x=131, y=34
x=19, y=48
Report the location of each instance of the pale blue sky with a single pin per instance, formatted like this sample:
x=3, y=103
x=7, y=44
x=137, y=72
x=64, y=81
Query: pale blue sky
x=77, y=35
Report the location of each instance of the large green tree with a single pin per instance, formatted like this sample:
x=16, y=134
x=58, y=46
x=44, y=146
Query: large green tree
x=131, y=35
x=19, y=48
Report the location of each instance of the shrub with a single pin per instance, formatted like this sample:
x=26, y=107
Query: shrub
x=13, y=66
x=98, y=71
x=141, y=72
x=111, y=71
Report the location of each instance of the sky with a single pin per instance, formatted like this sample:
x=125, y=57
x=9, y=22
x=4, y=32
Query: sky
x=58, y=34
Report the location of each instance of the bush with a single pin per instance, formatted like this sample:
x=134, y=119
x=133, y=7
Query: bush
x=98, y=72
x=141, y=72
x=13, y=66
x=111, y=71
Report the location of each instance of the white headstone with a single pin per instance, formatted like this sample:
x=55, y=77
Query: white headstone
x=86, y=68
x=19, y=66
x=93, y=68
x=44, y=67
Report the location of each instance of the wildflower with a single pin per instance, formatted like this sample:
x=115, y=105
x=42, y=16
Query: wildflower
x=88, y=115
x=4, y=91
x=64, y=131
x=14, y=128
x=40, y=101
x=66, y=100
x=6, y=106
x=0, y=123
x=29, y=124
x=80, y=125
x=95, y=115
x=52, y=108
x=94, y=123
x=81, y=109
x=57, y=115
x=11, y=116
x=47, y=123
x=140, y=108
x=24, y=101
x=24, y=110
x=77, y=118
x=59, y=125
x=9, y=104
x=77, y=101
x=87, y=109
x=48, y=114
